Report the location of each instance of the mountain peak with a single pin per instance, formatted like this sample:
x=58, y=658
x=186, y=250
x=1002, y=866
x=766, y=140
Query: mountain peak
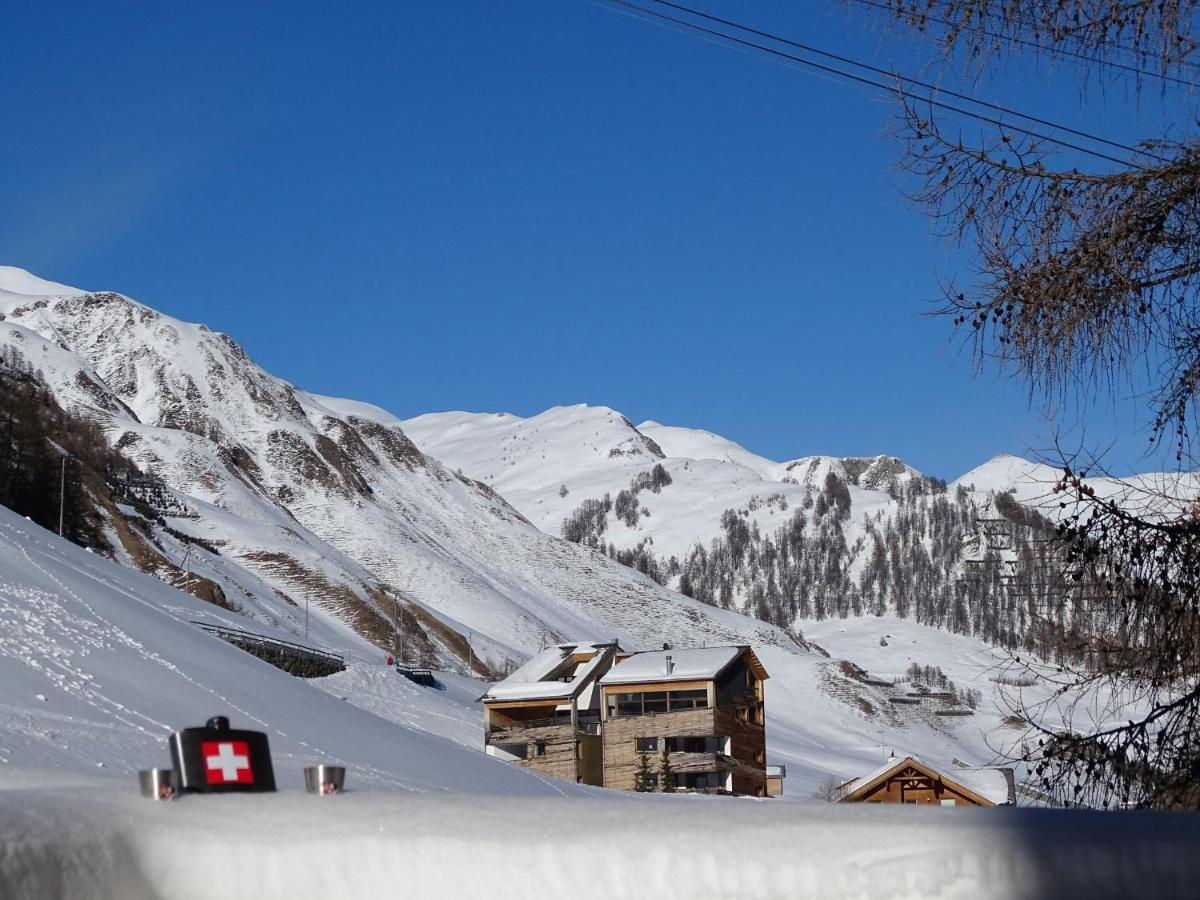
x=15, y=280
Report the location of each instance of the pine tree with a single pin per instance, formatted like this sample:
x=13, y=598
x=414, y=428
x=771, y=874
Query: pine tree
x=666, y=773
x=643, y=780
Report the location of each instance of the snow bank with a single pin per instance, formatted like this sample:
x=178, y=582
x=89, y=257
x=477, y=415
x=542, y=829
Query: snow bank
x=102, y=840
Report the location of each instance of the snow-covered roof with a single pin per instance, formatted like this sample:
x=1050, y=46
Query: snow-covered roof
x=539, y=678
x=994, y=785
x=687, y=664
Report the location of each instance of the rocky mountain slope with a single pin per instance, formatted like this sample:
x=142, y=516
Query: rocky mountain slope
x=285, y=499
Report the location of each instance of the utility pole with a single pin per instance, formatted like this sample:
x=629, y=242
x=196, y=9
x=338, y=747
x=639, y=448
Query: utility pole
x=62, y=483
x=306, y=619
x=62, y=493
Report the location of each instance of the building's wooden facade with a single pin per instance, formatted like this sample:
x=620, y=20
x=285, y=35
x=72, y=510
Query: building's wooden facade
x=558, y=734
x=712, y=728
x=910, y=781
x=704, y=708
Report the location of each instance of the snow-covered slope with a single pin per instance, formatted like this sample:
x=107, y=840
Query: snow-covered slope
x=99, y=664
x=695, y=443
x=20, y=282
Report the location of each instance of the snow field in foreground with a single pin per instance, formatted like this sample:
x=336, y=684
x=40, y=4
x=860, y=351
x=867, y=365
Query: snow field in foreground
x=94, y=838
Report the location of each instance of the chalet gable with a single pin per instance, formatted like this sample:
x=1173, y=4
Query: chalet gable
x=908, y=775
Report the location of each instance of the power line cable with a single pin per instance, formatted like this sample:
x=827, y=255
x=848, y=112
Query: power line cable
x=891, y=89
x=808, y=48
x=1061, y=51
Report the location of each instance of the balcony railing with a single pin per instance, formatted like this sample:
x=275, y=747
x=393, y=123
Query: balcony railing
x=584, y=725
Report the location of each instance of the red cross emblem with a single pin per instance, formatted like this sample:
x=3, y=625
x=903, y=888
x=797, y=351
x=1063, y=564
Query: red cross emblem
x=227, y=762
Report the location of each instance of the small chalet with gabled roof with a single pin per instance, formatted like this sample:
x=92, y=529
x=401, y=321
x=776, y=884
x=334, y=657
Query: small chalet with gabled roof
x=546, y=715
x=908, y=780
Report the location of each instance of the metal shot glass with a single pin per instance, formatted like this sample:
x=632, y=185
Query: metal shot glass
x=325, y=780
x=159, y=784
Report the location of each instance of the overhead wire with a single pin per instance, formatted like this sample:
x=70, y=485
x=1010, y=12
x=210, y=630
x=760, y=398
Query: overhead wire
x=659, y=17
x=808, y=48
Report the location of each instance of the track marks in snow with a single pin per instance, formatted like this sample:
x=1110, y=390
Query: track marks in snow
x=47, y=636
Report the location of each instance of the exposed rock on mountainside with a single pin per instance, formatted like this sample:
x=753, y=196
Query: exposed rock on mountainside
x=322, y=503
x=873, y=473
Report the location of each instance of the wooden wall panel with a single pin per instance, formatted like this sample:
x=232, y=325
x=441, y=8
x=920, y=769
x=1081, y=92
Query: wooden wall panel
x=621, y=759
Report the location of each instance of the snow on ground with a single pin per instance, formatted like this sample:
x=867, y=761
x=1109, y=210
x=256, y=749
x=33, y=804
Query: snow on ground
x=450, y=710
x=98, y=665
x=87, y=837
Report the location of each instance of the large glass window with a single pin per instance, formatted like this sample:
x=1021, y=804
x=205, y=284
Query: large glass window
x=700, y=781
x=646, y=745
x=689, y=699
x=707, y=744
x=653, y=702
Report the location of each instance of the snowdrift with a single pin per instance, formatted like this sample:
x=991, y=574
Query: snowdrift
x=85, y=839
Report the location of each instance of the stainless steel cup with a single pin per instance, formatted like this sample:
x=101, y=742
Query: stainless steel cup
x=325, y=780
x=159, y=784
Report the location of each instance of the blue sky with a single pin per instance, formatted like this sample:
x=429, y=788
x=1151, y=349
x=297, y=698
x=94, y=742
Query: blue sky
x=485, y=206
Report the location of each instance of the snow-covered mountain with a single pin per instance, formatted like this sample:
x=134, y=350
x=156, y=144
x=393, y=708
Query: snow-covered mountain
x=547, y=464
x=322, y=502
x=788, y=542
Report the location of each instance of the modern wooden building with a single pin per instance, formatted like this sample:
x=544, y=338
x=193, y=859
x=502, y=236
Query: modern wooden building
x=546, y=715
x=908, y=780
x=702, y=707
x=589, y=712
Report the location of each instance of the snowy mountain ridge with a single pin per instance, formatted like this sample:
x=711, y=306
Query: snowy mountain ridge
x=324, y=503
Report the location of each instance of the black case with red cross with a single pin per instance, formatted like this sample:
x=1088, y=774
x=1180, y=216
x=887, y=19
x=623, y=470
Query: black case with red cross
x=217, y=760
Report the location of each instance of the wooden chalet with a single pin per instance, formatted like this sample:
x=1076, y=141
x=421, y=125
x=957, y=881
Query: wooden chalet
x=546, y=715
x=702, y=707
x=910, y=781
